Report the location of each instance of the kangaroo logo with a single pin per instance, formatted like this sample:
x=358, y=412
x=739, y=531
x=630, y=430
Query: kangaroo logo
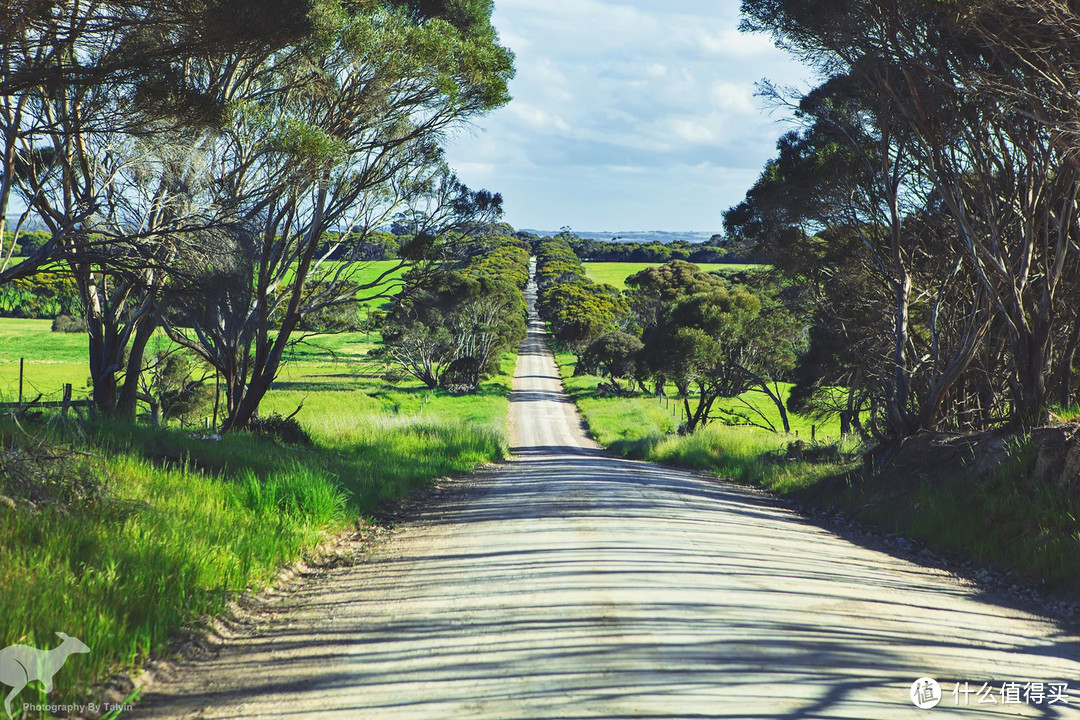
x=21, y=665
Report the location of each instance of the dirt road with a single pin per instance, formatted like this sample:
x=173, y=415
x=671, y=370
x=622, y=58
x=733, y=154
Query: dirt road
x=569, y=584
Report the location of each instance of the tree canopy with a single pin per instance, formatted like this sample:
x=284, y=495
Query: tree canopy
x=927, y=208
x=197, y=165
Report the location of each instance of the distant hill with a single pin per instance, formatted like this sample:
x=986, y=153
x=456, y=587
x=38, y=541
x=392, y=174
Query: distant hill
x=32, y=224
x=638, y=236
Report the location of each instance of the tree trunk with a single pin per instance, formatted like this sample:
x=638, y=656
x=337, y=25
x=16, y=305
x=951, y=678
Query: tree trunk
x=1064, y=374
x=128, y=399
x=1030, y=400
x=897, y=415
x=103, y=350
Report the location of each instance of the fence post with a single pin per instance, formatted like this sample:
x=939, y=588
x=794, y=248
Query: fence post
x=67, y=400
x=217, y=394
x=813, y=433
x=21, y=361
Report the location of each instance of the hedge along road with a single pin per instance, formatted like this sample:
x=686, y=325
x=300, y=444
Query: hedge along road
x=570, y=584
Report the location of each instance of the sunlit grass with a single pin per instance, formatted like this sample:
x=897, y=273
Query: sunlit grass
x=645, y=427
x=174, y=525
x=615, y=273
x=154, y=550
x=363, y=273
x=645, y=414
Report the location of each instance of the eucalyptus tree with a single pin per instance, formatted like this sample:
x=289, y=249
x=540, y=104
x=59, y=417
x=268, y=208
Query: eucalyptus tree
x=1011, y=186
x=701, y=342
x=834, y=210
x=333, y=133
x=103, y=142
x=986, y=99
x=135, y=52
x=449, y=328
x=615, y=354
x=111, y=201
x=713, y=339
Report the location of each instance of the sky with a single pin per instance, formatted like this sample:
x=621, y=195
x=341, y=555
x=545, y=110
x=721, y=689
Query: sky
x=631, y=115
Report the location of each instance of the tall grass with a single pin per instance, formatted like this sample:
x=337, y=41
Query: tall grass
x=142, y=532
x=752, y=456
x=295, y=494
x=1003, y=517
x=147, y=553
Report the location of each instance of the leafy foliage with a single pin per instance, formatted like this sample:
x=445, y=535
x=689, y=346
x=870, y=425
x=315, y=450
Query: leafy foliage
x=923, y=209
x=579, y=310
x=285, y=429
x=449, y=326
x=173, y=384
x=615, y=354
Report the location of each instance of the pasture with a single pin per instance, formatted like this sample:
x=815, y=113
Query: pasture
x=615, y=273
x=215, y=518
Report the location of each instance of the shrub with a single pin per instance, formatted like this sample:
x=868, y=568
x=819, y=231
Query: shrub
x=68, y=324
x=283, y=429
x=173, y=384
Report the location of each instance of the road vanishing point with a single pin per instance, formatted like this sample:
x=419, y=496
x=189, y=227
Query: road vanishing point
x=568, y=583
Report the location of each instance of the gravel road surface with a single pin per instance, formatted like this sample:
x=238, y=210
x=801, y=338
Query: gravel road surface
x=567, y=583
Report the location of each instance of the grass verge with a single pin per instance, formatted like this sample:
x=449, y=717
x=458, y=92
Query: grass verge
x=125, y=536
x=994, y=499
x=644, y=428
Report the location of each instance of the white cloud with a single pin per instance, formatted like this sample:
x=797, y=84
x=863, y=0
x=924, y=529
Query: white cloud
x=539, y=119
x=693, y=132
x=660, y=97
x=727, y=42
x=734, y=97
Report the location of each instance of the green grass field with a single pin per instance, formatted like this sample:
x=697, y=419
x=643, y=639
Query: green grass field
x=665, y=414
x=644, y=427
x=143, y=532
x=366, y=272
x=615, y=273
x=53, y=359
x=50, y=360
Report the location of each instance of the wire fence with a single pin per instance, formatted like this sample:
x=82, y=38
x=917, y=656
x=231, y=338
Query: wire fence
x=31, y=397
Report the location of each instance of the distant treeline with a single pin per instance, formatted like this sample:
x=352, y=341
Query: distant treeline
x=651, y=252
x=27, y=243
x=42, y=296
x=379, y=245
